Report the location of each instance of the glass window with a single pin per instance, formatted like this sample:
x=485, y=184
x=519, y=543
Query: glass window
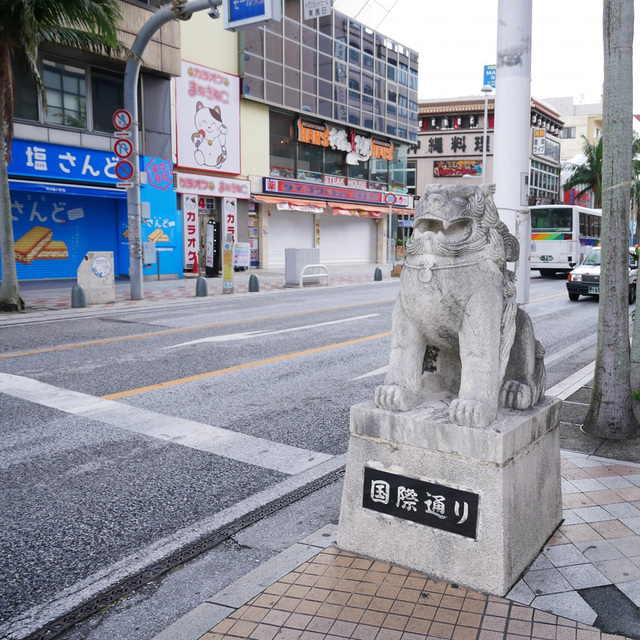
x=325, y=45
x=253, y=41
x=310, y=162
x=551, y=219
x=340, y=51
x=254, y=65
x=325, y=65
x=325, y=108
x=354, y=34
x=273, y=72
x=325, y=25
x=292, y=9
x=309, y=38
x=274, y=92
x=292, y=98
x=65, y=87
x=107, y=93
x=292, y=54
x=308, y=83
x=309, y=61
x=334, y=162
x=282, y=145
x=309, y=103
x=398, y=168
x=253, y=87
x=325, y=89
x=367, y=84
x=291, y=78
x=354, y=117
x=359, y=171
x=273, y=48
x=340, y=112
x=340, y=28
x=25, y=98
x=341, y=73
x=379, y=170
x=354, y=99
x=354, y=78
x=367, y=62
x=292, y=30
x=354, y=56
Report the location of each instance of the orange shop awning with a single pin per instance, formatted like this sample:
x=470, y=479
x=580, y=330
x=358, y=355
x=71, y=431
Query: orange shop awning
x=364, y=211
x=293, y=204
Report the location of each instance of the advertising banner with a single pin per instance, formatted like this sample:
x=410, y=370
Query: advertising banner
x=207, y=119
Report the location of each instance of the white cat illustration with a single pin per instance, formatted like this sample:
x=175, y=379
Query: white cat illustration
x=210, y=138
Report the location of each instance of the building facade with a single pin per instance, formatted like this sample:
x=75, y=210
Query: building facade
x=450, y=146
x=327, y=111
x=64, y=197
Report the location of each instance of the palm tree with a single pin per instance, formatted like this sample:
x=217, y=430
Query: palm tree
x=26, y=25
x=610, y=413
x=588, y=176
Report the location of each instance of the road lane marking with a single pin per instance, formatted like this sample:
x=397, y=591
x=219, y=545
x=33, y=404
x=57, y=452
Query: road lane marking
x=265, y=332
x=371, y=373
x=168, y=332
x=188, y=433
x=241, y=367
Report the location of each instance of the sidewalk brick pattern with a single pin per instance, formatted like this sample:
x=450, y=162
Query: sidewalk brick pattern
x=339, y=595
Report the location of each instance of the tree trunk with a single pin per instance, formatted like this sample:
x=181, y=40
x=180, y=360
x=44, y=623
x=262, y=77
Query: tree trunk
x=10, y=299
x=611, y=414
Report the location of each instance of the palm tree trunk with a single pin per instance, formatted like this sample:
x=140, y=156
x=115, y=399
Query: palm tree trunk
x=610, y=413
x=10, y=299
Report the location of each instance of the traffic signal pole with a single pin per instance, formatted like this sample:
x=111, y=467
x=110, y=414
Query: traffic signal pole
x=180, y=10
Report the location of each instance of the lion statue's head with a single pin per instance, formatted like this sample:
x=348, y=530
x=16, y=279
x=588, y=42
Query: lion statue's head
x=454, y=220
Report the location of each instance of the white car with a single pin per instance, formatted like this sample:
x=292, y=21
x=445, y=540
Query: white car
x=585, y=279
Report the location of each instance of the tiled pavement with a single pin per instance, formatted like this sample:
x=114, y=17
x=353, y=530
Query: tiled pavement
x=336, y=594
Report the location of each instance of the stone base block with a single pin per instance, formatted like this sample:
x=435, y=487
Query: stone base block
x=441, y=476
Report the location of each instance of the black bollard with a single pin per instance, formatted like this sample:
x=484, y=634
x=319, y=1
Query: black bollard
x=78, y=299
x=377, y=275
x=254, y=284
x=201, y=287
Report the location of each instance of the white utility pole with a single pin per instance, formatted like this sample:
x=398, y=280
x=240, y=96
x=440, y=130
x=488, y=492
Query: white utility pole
x=511, y=137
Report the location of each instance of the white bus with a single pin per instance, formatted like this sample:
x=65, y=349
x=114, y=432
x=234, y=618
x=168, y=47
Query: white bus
x=561, y=235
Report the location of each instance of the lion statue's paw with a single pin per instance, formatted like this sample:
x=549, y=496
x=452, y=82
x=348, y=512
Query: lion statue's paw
x=471, y=413
x=395, y=398
x=515, y=395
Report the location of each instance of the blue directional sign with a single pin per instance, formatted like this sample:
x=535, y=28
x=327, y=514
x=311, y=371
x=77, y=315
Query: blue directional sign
x=490, y=75
x=243, y=14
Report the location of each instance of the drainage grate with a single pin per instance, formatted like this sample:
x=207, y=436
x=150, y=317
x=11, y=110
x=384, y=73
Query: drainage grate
x=57, y=626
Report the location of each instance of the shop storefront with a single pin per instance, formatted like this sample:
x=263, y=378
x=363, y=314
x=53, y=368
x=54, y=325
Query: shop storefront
x=213, y=209
x=329, y=188
x=64, y=202
x=346, y=225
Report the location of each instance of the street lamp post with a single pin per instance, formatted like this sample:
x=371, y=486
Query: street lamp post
x=487, y=89
x=181, y=11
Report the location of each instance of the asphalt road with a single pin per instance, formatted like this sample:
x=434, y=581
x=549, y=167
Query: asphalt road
x=127, y=433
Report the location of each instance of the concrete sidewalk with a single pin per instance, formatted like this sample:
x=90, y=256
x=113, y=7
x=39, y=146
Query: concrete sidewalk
x=584, y=585
x=42, y=297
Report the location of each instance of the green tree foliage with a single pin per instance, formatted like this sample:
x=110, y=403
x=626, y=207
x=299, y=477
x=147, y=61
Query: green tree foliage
x=588, y=176
x=25, y=26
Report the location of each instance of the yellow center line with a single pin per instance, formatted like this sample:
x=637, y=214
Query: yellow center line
x=168, y=332
x=242, y=367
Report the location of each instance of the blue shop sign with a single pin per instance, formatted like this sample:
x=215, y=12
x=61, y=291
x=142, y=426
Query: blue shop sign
x=59, y=162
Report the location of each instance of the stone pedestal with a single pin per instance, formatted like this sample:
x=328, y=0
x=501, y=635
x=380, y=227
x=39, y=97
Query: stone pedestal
x=481, y=503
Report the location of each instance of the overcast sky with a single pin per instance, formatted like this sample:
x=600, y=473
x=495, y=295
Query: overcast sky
x=456, y=38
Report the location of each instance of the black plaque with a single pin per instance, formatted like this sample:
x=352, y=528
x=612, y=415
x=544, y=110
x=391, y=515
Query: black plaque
x=433, y=505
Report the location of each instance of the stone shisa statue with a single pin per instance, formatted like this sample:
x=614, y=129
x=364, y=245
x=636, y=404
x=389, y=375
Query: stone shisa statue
x=456, y=325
